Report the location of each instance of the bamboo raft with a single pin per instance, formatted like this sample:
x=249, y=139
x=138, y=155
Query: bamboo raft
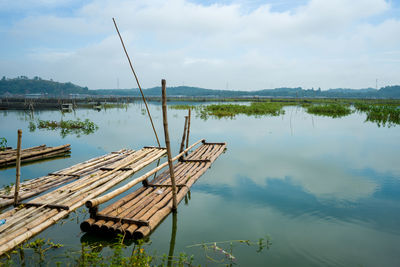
x=138, y=213
x=39, y=185
x=9, y=156
x=97, y=176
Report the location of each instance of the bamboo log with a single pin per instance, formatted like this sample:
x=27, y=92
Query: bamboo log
x=18, y=168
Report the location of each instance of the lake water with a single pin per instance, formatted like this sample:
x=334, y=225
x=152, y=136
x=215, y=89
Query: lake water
x=325, y=192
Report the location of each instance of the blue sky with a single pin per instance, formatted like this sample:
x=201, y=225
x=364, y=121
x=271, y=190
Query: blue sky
x=238, y=45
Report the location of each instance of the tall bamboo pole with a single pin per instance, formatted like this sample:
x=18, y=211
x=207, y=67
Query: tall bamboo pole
x=188, y=130
x=18, y=168
x=184, y=135
x=167, y=143
x=137, y=81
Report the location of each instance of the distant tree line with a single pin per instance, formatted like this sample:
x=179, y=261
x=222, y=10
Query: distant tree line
x=36, y=85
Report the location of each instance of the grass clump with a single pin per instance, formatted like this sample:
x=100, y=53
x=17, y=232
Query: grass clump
x=330, y=110
x=255, y=108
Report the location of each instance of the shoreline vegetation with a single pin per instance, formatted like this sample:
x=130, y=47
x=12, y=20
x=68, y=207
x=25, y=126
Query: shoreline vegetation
x=117, y=251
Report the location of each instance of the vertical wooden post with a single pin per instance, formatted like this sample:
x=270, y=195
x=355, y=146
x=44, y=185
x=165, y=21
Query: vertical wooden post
x=183, y=136
x=18, y=168
x=188, y=131
x=167, y=143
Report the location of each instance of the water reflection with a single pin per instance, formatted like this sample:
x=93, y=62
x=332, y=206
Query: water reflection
x=173, y=237
x=326, y=190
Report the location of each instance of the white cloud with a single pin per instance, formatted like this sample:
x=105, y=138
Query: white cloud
x=322, y=43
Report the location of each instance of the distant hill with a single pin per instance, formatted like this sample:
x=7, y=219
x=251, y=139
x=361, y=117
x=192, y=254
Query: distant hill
x=23, y=85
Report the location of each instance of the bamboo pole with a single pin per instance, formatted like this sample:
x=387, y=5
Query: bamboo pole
x=137, y=81
x=18, y=168
x=184, y=135
x=188, y=129
x=167, y=143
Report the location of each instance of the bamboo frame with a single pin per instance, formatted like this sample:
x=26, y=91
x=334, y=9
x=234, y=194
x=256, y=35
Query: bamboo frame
x=152, y=204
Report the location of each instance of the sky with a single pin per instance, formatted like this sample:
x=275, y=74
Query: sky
x=227, y=44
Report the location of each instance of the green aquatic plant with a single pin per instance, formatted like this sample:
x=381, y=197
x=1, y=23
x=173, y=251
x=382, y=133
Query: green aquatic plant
x=3, y=143
x=329, y=110
x=255, y=108
x=67, y=127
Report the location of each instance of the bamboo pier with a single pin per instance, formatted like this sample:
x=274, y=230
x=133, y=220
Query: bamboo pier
x=96, y=176
x=9, y=156
x=138, y=213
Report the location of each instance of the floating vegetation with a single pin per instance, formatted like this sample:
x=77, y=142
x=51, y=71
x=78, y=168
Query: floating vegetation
x=231, y=110
x=330, y=110
x=3, y=143
x=67, y=127
x=382, y=115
